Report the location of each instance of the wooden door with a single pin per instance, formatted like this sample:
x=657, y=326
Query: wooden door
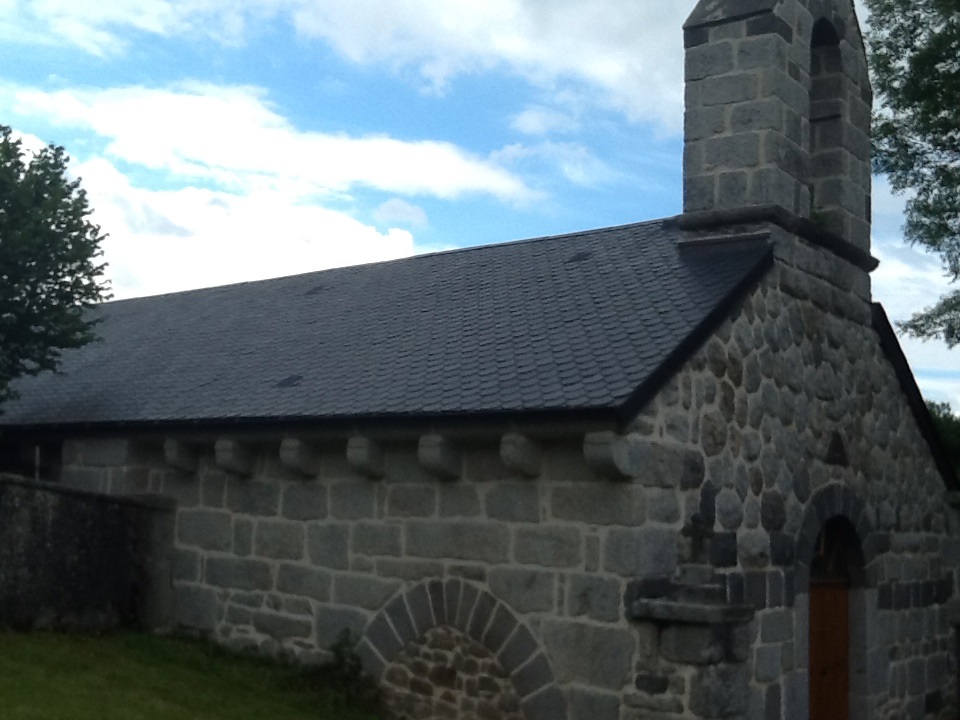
x=829, y=651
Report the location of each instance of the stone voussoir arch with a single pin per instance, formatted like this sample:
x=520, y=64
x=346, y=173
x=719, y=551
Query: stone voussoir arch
x=470, y=609
x=833, y=500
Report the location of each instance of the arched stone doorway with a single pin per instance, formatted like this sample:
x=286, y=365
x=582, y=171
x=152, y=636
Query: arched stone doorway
x=836, y=582
x=834, y=603
x=450, y=650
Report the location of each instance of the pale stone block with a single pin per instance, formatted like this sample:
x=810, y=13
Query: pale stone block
x=589, y=654
x=484, y=542
x=525, y=590
x=207, y=529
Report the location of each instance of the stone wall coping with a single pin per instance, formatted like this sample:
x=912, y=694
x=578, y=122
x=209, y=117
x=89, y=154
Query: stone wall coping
x=149, y=501
x=780, y=216
x=691, y=613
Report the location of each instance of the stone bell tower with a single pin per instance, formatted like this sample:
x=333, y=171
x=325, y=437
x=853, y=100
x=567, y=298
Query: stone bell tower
x=778, y=105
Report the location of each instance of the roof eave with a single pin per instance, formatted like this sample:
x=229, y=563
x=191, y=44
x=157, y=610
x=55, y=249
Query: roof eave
x=893, y=351
x=539, y=422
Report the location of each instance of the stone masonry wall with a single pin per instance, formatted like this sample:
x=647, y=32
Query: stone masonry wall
x=283, y=564
x=792, y=401
x=789, y=414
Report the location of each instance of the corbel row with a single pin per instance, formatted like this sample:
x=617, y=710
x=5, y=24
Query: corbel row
x=608, y=454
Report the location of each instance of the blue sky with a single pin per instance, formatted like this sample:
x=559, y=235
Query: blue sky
x=228, y=140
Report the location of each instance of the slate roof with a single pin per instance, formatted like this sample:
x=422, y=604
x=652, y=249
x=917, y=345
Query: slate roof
x=578, y=323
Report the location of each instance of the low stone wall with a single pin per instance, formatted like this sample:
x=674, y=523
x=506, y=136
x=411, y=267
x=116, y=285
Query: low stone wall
x=74, y=559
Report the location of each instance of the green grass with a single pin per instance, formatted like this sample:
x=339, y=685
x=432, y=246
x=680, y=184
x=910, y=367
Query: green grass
x=140, y=677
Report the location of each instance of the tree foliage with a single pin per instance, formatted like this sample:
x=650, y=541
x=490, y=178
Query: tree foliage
x=50, y=273
x=948, y=428
x=915, y=58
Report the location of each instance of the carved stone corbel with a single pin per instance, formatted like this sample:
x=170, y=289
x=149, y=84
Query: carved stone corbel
x=521, y=454
x=440, y=457
x=234, y=457
x=365, y=457
x=299, y=457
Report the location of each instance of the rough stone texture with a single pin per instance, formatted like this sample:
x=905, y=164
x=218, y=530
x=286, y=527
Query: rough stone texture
x=559, y=547
x=598, y=656
x=719, y=691
x=445, y=674
x=524, y=590
x=594, y=597
x=207, y=529
x=693, y=644
x=644, y=552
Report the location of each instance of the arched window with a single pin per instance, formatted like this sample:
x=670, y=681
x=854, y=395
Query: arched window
x=827, y=113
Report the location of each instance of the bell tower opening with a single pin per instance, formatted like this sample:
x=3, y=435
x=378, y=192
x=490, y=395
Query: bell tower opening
x=827, y=114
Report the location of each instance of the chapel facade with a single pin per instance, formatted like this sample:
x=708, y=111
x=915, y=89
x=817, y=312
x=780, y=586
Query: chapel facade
x=678, y=469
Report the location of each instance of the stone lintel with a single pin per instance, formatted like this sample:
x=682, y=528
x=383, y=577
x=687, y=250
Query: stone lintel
x=365, y=457
x=521, y=454
x=300, y=457
x=180, y=456
x=440, y=456
x=234, y=457
x=672, y=611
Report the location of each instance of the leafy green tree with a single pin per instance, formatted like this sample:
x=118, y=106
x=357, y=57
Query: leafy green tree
x=50, y=273
x=948, y=428
x=915, y=58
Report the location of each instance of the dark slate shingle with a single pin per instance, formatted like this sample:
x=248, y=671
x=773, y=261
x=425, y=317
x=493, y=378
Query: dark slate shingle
x=566, y=323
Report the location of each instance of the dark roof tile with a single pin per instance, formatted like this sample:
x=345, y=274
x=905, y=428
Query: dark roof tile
x=576, y=322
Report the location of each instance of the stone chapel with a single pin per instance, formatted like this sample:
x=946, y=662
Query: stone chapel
x=672, y=470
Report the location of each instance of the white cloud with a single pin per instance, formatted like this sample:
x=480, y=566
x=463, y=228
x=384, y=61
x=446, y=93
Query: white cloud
x=574, y=162
x=400, y=212
x=539, y=120
x=232, y=137
x=623, y=55
x=103, y=28
x=164, y=241
x=201, y=185
x=628, y=54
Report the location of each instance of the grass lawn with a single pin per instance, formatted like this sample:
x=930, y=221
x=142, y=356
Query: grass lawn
x=139, y=677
